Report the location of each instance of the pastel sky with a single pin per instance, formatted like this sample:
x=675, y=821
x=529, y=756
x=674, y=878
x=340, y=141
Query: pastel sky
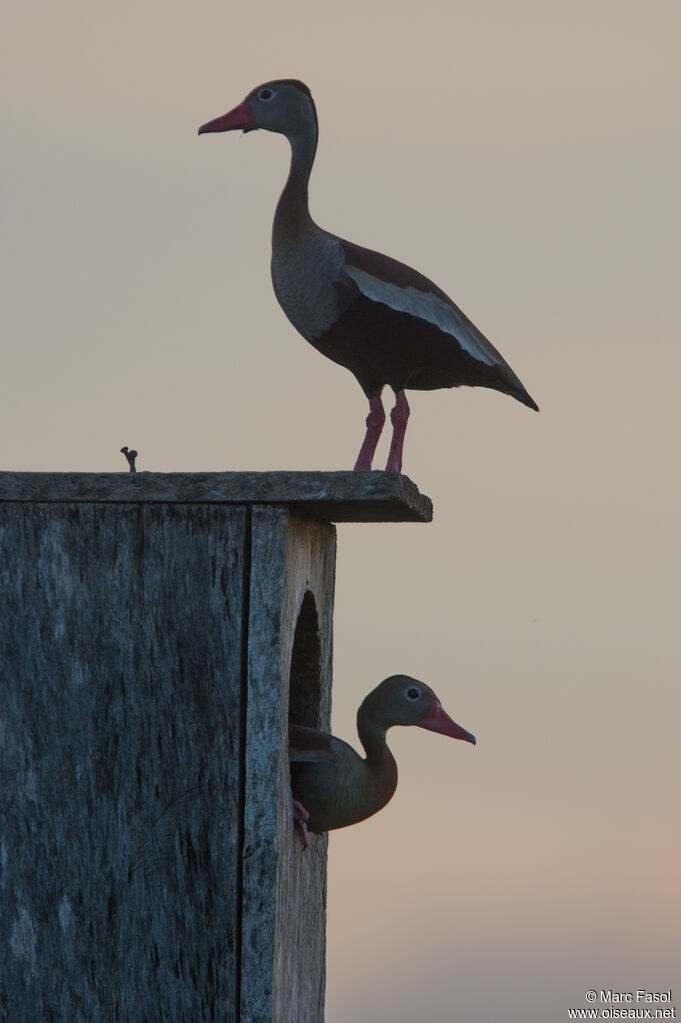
x=526, y=156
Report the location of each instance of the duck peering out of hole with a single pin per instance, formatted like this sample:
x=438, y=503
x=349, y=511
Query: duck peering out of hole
x=332, y=785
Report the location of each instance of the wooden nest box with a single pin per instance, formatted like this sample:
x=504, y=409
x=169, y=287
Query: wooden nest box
x=156, y=631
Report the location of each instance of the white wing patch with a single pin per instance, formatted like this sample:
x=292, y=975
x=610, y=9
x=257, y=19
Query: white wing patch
x=427, y=307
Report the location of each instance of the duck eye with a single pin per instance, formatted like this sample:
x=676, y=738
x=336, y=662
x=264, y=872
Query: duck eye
x=265, y=94
x=413, y=693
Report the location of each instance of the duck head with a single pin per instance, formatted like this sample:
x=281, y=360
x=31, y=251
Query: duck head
x=284, y=105
x=402, y=700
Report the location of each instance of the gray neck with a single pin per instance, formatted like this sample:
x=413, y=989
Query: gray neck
x=292, y=213
x=372, y=737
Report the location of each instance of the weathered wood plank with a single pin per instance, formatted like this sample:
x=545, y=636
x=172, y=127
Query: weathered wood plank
x=283, y=958
x=331, y=496
x=150, y=650
x=300, y=962
x=120, y=719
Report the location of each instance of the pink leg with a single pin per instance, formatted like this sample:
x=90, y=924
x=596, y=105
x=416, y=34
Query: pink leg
x=399, y=417
x=375, y=421
x=300, y=818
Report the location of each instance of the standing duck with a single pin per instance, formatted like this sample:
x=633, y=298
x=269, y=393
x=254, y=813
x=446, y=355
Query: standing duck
x=332, y=785
x=386, y=323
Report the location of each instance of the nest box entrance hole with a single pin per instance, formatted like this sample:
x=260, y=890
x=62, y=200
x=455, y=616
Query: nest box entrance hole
x=305, y=679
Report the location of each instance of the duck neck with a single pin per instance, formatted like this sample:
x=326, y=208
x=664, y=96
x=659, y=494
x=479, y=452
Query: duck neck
x=292, y=215
x=379, y=759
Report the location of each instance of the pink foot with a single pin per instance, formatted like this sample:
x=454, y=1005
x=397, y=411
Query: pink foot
x=375, y=421
x=300, y=819
x=399, y=417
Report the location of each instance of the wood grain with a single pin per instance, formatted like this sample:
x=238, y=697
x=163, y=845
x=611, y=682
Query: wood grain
x=292, y=567
x=150, y=651
x=120, y=659
x=330, y=496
